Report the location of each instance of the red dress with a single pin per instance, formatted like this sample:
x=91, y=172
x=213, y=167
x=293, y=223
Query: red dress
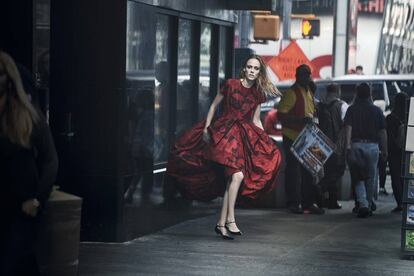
x=237, y=145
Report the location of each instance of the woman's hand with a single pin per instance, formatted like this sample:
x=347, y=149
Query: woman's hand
x=30, y=207
x=206, y=135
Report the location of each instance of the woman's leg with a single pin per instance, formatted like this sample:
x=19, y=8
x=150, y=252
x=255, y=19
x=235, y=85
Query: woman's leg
x=224, y=206
x=233, y=190
x=220, y=226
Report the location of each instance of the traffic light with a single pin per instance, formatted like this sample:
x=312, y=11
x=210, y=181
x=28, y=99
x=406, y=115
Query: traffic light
x=266, y=27
x=310, y=27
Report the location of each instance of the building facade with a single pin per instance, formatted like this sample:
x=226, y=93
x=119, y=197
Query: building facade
x=126, y=78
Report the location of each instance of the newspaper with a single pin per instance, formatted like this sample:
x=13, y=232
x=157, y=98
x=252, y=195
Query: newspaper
x=312, y=148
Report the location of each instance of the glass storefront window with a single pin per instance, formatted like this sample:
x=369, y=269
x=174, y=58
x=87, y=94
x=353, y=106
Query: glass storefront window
x=140, y=79
x=222, y=54
x=161, y=90
x=205, y=55
x=140, y=40
x=41, y=47
x=184, y=78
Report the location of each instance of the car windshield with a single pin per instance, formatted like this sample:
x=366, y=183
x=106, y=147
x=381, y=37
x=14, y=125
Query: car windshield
x=407, y=86
x=377, y=91
x=348, y=92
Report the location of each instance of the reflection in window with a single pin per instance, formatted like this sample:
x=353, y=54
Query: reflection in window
x=222, y=54
x=140, y=100
x=161, y=91
x=205, y=52
x=140, y=33
x=41, y=44
x=184, y=78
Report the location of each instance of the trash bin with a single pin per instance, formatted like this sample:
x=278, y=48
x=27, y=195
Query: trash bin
x=57, y=246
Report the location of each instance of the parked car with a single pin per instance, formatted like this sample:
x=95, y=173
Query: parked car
x=384, y=88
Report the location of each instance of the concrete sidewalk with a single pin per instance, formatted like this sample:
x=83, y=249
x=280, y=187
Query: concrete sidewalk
x=275, y=242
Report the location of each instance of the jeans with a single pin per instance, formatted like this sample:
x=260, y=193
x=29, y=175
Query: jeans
x=364, y=189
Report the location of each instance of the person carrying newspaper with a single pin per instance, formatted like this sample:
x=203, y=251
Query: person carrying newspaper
x=296, y=109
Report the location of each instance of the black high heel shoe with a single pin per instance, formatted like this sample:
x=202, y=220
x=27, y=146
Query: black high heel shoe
x=223, y=235
x=238, y=233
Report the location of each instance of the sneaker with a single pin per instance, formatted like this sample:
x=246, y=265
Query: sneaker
x=397, y=209
x=313, y=210
x=295, y=209
x=373, y=206
x=355, y=209
x=383, y=191
x=364, y=212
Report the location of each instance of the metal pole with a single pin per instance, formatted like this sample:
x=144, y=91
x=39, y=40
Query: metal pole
x=340, y=38
x=244, y=31
x=287, y=10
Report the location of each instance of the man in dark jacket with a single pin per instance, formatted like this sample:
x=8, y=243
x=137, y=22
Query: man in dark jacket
x=365, y=137
x=330, y=122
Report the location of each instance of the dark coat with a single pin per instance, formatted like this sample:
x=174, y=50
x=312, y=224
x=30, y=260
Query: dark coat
x=27, y=173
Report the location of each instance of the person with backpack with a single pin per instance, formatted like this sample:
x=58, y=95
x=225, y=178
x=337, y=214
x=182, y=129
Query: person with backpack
x=395, y=134
x=329, y=112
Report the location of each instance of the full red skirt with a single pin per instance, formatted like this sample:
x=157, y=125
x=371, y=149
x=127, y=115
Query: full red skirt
x=201, y=170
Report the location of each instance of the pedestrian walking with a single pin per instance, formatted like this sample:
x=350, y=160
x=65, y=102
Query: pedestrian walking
x=364, y=140
x=330, y=122
x=395, y=133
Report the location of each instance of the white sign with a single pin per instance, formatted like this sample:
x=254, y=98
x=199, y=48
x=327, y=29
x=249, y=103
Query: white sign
x=409, y=139
x=409, y=142
x=411, y=113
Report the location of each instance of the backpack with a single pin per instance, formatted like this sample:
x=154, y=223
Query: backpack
x=330, y=121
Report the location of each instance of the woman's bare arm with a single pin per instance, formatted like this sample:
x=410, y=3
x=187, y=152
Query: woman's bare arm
x=213, y=107
x=256, y=118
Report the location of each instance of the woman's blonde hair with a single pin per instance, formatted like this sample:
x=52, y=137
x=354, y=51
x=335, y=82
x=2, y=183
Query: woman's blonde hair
x=262, y=82
x=17, y=114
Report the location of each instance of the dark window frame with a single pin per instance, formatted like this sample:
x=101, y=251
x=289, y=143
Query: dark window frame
x=174, y=17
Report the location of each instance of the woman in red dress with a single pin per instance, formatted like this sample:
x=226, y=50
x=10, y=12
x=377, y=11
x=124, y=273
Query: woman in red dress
x=216, y=155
